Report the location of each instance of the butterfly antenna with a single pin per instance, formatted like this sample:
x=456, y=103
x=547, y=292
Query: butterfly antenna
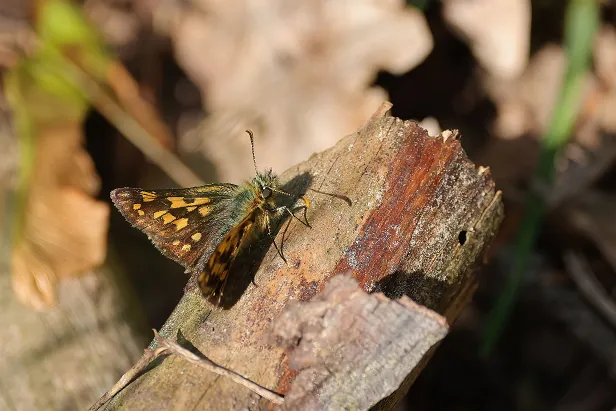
x=252, y=145
x=280, y=191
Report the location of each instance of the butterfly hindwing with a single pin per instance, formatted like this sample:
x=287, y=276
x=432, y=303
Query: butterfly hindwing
x=180, y=222
x=214, y=275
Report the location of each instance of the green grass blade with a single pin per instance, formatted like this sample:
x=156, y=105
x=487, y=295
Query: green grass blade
x=581, y=24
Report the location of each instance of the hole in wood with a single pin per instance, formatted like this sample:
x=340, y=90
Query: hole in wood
x=462, y=237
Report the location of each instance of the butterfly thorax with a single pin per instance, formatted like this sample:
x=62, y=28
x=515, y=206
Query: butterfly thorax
x=261, y=193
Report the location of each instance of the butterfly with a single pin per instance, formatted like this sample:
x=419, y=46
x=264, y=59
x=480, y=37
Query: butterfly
x=185, y=223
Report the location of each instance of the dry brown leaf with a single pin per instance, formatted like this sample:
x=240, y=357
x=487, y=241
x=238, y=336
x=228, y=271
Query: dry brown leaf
x=118, y=22
x=535, y=93
x=64, y=229
x=605, y=66
x=497, y=31
x=604, y=57
x=525, y=105
x=298, y=73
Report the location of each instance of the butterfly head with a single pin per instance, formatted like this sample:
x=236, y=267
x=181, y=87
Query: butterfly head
x=266, y=185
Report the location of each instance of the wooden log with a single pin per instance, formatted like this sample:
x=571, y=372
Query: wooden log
x=419, y=219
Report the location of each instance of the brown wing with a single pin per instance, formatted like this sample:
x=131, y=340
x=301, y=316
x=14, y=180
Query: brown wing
x=180, y=222
x=214, y=275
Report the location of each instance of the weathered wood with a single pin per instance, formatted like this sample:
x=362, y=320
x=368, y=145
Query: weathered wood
x=420, y=218
x=352, y=348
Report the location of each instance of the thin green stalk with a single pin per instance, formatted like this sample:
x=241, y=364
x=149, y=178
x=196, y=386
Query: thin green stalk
x=581, y=24
x=420, y=4
x=24, y=129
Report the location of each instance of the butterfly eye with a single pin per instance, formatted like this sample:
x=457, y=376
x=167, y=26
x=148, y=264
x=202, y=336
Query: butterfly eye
x=266, y=192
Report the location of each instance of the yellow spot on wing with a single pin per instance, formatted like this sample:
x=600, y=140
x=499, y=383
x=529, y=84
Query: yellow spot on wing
x=181, y=223
x=177, y=202
x=136, y=206
x=186, y=247
x=196, y=236
x=140, y=212
x=204, y=210
x=167, y=218
x=147, y=196
x=160, y=213
x=176, y=242
x=189, y=209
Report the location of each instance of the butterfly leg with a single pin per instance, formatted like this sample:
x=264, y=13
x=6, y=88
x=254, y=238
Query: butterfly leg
x=305, y=207
x=284, y=232
x=268, y=225
x=292, y=214
x=286, y=209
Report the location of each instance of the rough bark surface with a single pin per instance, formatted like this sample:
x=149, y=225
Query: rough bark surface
x=421, y=216
x=352, y=348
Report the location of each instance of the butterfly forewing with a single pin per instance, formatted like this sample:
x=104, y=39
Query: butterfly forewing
x=212, y=279
x=180, y=222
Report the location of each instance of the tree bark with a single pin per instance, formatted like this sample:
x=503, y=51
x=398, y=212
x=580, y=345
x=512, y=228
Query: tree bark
x=420, y=217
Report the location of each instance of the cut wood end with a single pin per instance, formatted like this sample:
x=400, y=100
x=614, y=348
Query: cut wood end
x=453, y=134
x=383, y=109
x=353, y=349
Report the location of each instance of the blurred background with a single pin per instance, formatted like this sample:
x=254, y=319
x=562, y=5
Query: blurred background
x=101, y=94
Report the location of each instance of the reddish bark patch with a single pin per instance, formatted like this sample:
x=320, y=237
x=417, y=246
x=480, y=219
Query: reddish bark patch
x=413, y=180
x=308, y=289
